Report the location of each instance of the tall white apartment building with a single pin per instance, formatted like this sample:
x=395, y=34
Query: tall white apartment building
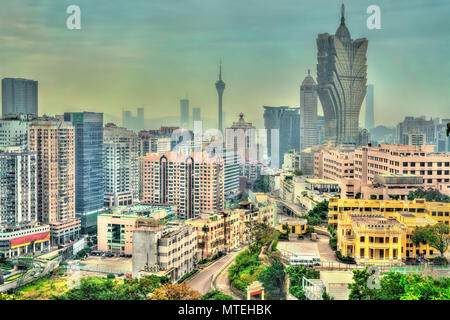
x=121, y=168
x=18, y=203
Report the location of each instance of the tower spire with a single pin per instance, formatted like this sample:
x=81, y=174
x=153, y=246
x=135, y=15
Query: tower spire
x=220, y=69
x=342, y=14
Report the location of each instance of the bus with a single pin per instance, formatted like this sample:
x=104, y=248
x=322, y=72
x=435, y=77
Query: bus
x=306, y=260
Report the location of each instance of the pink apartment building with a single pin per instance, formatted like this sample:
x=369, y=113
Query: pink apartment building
x=194, y=183
x=385, y=170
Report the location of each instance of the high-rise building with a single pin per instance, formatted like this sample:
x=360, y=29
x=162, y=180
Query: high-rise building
x=184, y=113
x=419, y=124
x=54, y=142
x=232, y=171
x=414, y=138
x=341, y=83
x=195, y=183
x=89, y=183
x=120, y=165
x=369, y=118
x=241, y=138
x=287, y=122
x=127, y=119
x=19, y=96
x=18, y=203
x=140, y=120
x=308, y=113
x=14, y=130
x=196, y=114
x=220, y=87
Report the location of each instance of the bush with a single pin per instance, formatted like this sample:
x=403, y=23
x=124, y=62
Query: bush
x=110, y=276
x=300, y=236
x=440, y=261
x=187, y=275
x=346, y=259
x=333, y=243
x=283, y=236
x=274, y=244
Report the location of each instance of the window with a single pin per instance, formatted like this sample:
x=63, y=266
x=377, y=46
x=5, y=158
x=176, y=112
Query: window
x=362, y=239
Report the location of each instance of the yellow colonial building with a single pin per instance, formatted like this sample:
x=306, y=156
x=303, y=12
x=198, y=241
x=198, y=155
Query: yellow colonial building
x=379, y=231
x=296, y=226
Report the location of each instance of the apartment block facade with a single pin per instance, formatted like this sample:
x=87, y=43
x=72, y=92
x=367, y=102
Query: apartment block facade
x=54, y=142
x=194, y=183
x=434, y=168
x=120, y=165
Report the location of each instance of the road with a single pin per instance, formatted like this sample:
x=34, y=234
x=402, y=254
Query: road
x=202, y=281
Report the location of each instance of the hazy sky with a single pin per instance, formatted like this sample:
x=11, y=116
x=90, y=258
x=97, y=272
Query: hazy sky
x=153, y=52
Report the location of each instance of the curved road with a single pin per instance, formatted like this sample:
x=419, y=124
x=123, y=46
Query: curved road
x=202, y=281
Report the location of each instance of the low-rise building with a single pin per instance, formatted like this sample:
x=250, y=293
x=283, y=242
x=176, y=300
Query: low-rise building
x=24, y=240
x=115, y=228
x=169, y=251
x=379, y=231
x=295, y=226
x=219, y=232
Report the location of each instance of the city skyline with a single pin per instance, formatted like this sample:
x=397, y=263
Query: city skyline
x=72, y=78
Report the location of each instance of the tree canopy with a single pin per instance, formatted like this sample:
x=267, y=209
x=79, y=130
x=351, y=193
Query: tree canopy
x=433, y=235
x=429, y=195
x=175, y=292
x=398, y=286
x=216, y=295
x=98, y=288
x=272, y=277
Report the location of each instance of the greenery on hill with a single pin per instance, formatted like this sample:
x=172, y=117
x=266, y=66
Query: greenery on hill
x=319, y=214
x=398, y=286
x=296, y=275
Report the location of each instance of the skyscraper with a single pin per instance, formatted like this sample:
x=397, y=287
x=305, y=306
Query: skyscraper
x=120, y=165
x=341, y=82
x=308, y=113
x=140, y=121
x=89, y=183
x=287, y=121
x=369, y=119
x=184, y=113
x=54, y=142
x=19, y=96
x=196, y=114
x=220, y=87
x=14, y=130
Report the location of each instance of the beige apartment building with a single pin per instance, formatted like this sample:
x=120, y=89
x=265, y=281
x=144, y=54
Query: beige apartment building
x=53, y=140
x=164, y=250
x=194, y=183
x=433, y=167
x=219, y=232
x=334, y=163
x=385, y=170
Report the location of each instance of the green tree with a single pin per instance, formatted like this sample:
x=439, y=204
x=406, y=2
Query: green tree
x=260, y=234
x=216, y=295
x=272, y=277
x=318, y=214
x=359, y=289
x=298, y=172
x=261, y=184
x=296, y=275
x=429, y=195
x=433, y=235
